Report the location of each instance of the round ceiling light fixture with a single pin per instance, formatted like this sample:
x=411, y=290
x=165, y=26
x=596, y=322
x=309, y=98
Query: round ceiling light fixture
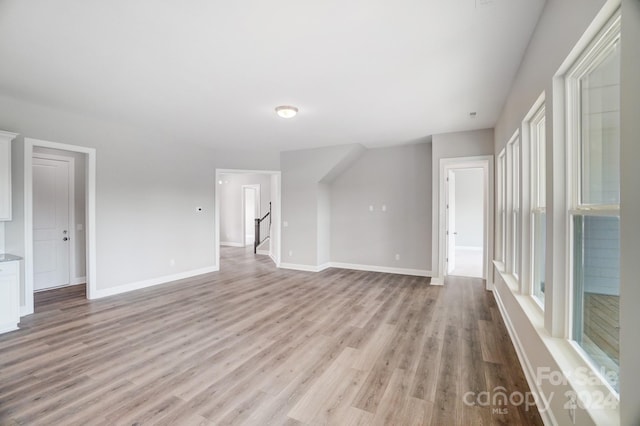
x=286, y=111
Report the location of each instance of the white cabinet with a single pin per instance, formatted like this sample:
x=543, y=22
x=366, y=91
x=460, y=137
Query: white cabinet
x=5, y=174
x=9, y=295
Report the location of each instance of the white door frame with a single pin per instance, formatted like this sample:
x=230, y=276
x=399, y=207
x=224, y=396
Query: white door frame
x=484, y=162
x=450, y=221
x=257, y=188
x=276, y=205
x=90, y=220
x=72, y=207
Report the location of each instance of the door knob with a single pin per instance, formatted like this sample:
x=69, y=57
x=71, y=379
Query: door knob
x=65, y=239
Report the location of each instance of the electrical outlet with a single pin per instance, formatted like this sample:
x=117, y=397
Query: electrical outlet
x=290, y=253
x=397, y=256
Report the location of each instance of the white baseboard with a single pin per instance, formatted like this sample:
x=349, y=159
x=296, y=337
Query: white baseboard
x=263, y=252
x=300, y=267
x=105, y=292
x=437, y=280
x=78, y=280
x=356, y=267
x=273, y=257
x=24, y=311
x=384, y=269
x=8, y=327
x=231, y=244
x=547, y=416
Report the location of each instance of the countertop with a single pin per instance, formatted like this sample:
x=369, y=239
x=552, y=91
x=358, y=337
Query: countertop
x=6, y=257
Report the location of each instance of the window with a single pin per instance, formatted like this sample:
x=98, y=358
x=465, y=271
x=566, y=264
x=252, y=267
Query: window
x=538, y=202
x=501, y=214
x=513, y=201
x=593, y=119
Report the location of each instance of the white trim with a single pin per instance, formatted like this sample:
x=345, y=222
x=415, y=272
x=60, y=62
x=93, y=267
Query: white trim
x=534, y=170
x=90, y=220
x=125, y=288
x=383, y=269
x=262, y=252
x=437, y=281
x=71, y=224
x=9, y=328
x=231, y=244
x=469, y=248
x=275, y=204
x=9, y=137
x=78, y=280
x=300, y=267
x=485, y=162
x=529, y=373
x=357, y=267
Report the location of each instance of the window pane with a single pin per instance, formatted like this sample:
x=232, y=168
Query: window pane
x=539, y=241
x=540, y=170
x=600, y=142
x=597, y=291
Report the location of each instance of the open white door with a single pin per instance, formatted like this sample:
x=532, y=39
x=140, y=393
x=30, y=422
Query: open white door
x=451, y=221
x=51, y=247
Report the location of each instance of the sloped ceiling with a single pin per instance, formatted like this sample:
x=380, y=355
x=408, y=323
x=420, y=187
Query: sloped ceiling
x=374, y=72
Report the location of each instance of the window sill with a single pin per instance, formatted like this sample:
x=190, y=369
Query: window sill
x=569, y=360
x=511, y=280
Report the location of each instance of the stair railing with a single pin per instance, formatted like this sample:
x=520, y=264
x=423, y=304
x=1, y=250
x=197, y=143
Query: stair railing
x=257, y=241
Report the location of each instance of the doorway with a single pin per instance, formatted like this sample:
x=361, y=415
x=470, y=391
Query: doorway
x=241, y=197
x=45, y=246
x=465, y=211
x=465, y=222
x=54, y=207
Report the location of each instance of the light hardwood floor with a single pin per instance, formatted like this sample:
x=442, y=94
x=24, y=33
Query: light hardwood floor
x=252, y=344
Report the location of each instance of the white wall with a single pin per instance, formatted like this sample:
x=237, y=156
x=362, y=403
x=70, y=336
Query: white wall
x=400, y=179
x=231, y=214
x=324, y=224
x=469, y=207
x=148, y=188
x=304, y=204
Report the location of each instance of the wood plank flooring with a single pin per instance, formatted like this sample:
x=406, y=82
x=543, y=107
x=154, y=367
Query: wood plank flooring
x=255, y=345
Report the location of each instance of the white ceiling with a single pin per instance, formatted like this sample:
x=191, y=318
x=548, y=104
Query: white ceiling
x=375, y=72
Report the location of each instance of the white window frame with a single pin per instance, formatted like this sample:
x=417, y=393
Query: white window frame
x=513, y=203
x=537, y=179
x=501, y=226
x=587, y=60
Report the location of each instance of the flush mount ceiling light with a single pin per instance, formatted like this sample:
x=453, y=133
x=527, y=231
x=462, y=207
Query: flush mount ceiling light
x=286, y=111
